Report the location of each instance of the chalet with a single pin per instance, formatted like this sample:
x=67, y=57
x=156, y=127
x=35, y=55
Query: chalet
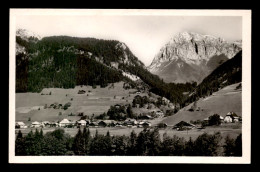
x=36, y=124
x=231, y=117
x=130, y=121
x=64, y=123
x=228, y=119
x=20, y=125
x=81, y=123
x=183, y=126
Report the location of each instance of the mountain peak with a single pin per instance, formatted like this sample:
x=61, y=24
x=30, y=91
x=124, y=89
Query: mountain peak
x=195, y=50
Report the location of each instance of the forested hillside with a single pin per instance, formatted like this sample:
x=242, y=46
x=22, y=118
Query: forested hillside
x=230, y=72
x=64, y=62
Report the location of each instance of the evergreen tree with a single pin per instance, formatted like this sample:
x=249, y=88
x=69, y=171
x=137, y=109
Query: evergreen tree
x=86, y=139
x=207, y=145
x=132, y=144
x=238, y=147
x=229, y=146
x=189, y=148
x=20, y=144
x=79, y=144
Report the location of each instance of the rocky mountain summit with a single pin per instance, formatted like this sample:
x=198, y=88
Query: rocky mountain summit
x=191, y=57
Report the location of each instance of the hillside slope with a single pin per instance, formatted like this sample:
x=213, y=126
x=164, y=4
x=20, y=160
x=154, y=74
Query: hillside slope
x=221, y=102
x=65, y=62
x=230, y=72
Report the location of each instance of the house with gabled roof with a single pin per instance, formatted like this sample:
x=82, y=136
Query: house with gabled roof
x=35, y=124
x=20, y=125
x=64, y=123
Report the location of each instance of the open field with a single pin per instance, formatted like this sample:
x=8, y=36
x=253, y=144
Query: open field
x=232, y=129
x=225, y=100
x=97, y=101
x=94, y=101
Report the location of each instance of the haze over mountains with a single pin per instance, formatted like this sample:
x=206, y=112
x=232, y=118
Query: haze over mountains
x=190, y=57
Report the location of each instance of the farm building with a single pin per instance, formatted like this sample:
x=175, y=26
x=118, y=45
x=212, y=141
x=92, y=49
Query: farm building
x=184, y=126
x=228, y=119
x=64, y=123
x=20, y=125
x=36, y=124
x=231, y=117
x=129, y=121
x=81, y=123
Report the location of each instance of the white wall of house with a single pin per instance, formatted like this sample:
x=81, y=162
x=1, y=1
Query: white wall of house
x=228, y=119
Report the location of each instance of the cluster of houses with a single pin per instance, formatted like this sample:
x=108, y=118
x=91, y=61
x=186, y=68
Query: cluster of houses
x=99, y=123
x=230, y=117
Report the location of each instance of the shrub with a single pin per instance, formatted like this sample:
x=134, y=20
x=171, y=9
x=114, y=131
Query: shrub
x=214, y=120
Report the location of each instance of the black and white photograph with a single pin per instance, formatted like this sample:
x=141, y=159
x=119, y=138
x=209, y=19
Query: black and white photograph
x=129, y=86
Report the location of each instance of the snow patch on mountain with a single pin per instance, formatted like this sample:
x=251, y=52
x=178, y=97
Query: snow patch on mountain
x=131, y=76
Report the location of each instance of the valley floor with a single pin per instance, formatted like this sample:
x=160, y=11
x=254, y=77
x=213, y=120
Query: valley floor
x=231, y=129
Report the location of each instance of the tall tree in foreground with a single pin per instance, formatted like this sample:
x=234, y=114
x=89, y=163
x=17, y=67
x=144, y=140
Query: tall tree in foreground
x=207, y=145
x=229, y=147
x=20, y=144
x=238, y=147
x=132, y=144
x=79, y=144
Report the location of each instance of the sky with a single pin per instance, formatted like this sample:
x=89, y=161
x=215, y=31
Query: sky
x=144, y=35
